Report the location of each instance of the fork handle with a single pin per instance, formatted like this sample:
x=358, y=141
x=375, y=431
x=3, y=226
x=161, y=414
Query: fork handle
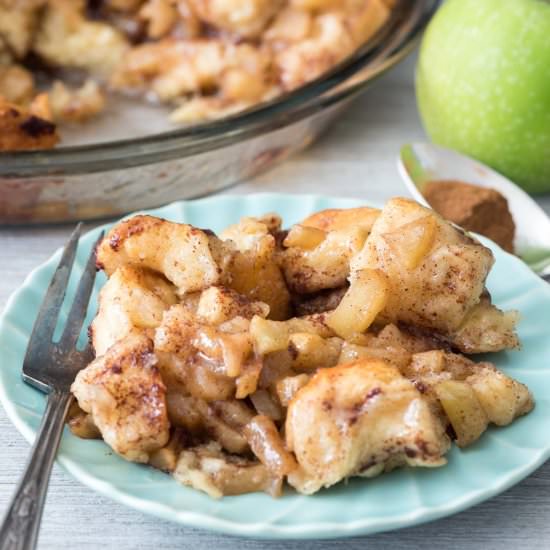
x=21, y=524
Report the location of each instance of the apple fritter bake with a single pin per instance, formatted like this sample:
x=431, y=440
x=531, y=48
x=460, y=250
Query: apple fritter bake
x=244, y=360
x=206, y=58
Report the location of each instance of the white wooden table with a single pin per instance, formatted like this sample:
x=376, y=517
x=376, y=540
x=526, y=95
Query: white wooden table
x=356, y=159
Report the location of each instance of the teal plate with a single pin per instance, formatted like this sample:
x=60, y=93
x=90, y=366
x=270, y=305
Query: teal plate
x=502, y=457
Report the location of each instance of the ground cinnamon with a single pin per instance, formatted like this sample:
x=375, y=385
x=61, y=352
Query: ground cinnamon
x=474, y=208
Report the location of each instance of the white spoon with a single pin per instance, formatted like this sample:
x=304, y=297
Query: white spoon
x=420, y=163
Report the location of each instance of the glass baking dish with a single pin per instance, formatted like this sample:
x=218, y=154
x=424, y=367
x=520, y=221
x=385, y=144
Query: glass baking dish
x=110, y=178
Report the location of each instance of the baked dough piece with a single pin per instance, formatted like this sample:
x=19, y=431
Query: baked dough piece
x=125, y=395
x=21, y=129
x=131, y=298
x=436, y=275
x=188, y=257
x=359, y=419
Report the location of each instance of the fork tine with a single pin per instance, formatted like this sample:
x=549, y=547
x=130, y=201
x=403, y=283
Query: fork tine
x=80, y=304
x=46, y=319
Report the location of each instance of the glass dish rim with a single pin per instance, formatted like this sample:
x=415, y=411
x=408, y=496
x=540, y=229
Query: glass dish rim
x=385, y=49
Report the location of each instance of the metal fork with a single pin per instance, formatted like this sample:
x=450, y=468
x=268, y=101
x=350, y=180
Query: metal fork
x=50, y=367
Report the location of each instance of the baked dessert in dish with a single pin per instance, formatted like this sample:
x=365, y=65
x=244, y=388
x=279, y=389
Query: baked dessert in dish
x=241, y=361
x=206, y=58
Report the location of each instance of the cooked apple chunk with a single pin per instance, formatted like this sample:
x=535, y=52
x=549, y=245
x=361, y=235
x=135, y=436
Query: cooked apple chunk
x=266, y=443
x=310, y=351
x=207, y=468
x=254, y=270
x=365, y=299
x=269, y=336
x=272, y=336
x=502, y=398
x=412, y=242
x=304, y=237
x=208, y=362
x=471, y=394
x=463, y=410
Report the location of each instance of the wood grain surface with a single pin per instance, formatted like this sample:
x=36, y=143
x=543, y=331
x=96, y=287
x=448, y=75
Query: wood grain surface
x=357, y=159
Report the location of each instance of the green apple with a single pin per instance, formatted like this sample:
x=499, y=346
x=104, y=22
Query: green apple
x=483, y=85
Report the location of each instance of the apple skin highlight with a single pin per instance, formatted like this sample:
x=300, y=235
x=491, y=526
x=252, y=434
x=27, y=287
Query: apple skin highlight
x=483, y=85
